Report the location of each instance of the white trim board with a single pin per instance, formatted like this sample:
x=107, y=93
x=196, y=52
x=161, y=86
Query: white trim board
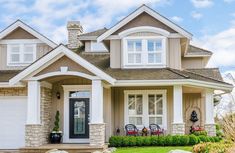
x=27, y=28
x=151, y=12
x=57, y=53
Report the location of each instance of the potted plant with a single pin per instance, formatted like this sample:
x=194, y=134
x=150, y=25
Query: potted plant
x=56, y=134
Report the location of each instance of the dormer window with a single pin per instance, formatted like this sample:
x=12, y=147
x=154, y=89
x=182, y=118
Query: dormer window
x=145, y=52
x=21, y=54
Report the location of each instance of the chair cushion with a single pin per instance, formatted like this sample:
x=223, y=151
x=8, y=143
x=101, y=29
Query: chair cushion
x=132, y=132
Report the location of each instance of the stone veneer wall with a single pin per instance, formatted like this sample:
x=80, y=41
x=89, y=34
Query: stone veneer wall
x=13, y=91
x=178, y=129
x=211, y=130
x=97, y=134
x=37, y=135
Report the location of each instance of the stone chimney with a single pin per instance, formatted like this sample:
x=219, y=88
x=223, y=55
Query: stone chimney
x=74, y=29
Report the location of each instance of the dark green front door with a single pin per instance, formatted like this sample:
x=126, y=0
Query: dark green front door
x=78, y=118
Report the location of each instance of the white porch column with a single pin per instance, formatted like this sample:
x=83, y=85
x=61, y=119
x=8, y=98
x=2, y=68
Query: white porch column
x=33, y=109
x=209, y=113
x=178, y=126
x=33, y=128
x=97, y=125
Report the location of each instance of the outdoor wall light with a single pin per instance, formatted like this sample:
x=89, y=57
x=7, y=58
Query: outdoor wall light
x=58, y=95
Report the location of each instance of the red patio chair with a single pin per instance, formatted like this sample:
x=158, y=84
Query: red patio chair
x=156, y=129
x=131, y=130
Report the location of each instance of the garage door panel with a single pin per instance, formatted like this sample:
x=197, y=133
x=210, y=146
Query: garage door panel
x=12, y=122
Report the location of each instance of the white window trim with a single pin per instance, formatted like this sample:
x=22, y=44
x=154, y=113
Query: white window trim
x=145, y=115
x=144, y=59
x=21, y=52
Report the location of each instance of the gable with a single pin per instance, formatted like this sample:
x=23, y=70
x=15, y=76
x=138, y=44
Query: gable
x=144, y=19
x=64, y=62
x=19, y=33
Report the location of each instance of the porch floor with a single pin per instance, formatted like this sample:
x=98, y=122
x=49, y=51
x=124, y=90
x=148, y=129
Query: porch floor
x=70, y=148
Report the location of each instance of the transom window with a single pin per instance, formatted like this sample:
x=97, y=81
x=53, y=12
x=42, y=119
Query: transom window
x=144, y=52
x=20, y=54
x=144, y=107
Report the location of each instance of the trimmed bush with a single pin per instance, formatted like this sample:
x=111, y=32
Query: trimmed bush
x=193, y=139
x=169, y=140
x=198, y=133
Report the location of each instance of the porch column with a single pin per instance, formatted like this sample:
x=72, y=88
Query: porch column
x=97, y=125
x=209, y=111
x=33, y=123
x=178, y=126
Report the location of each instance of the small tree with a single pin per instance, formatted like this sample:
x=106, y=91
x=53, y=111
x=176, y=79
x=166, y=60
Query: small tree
x=57, y=122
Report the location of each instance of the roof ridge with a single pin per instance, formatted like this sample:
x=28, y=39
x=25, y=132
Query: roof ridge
x=174, y=71
x=205, y=76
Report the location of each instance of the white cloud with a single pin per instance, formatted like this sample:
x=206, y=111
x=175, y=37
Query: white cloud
x=229, y=1
x=50, y=16
x=177, y=19
x=223, y=46
x=202, y=3
x=196, y=15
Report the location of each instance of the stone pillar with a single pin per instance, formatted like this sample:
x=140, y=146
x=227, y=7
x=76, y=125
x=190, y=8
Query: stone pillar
x=74, y=29
x=178, y=126
x=209, y=110
x=33, y=135
x=97, y=125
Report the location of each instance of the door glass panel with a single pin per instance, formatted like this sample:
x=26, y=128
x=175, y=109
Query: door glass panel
x=79, y=117
x=79, y=94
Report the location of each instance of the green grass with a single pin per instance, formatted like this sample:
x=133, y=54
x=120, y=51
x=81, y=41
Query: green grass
x=150, y=149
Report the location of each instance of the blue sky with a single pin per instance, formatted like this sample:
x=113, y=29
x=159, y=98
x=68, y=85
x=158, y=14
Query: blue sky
x=211, y=22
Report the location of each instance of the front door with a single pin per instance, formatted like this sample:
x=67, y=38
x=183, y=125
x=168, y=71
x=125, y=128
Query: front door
x=78, y=118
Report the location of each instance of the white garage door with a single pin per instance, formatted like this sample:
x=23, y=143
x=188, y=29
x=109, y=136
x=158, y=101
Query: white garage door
x=12, y=122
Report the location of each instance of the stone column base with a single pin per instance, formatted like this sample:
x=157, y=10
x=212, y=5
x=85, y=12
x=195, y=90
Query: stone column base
x=211, y=130
x=97, y=134
x=178, y=128
x=33, y=135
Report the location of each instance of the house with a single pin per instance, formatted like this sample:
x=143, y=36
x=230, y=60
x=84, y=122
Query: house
x=142, y=70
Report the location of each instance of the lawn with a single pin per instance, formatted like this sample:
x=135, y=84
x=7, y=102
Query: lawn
x=150, y=149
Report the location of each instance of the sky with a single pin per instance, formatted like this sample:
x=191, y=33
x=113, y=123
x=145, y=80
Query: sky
x=212, y=22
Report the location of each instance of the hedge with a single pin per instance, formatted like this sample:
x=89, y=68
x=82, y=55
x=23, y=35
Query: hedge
x=169, y=140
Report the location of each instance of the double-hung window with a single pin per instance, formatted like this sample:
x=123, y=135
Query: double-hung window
x=144, y=107
x=144, y=52
x=21, y=54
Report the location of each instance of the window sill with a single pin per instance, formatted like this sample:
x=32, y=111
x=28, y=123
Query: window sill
x=18, y=64
x=135, y=66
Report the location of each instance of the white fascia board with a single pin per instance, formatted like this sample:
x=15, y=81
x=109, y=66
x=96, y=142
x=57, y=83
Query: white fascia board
x=87, y=37
x=188, y=55
x=120, y=83
x=59, y=52
x=28, y=29
x=150, y=12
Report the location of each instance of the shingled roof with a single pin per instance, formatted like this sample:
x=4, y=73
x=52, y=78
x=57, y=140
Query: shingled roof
x=102, y=62
x=94, y=33
x=193, y=50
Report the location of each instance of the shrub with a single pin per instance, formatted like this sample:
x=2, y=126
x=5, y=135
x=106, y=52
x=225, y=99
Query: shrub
x=193, y=139
x=183, y=140
x=228, y=126
x=198, y=133
x=209, y=147
x=169, y=140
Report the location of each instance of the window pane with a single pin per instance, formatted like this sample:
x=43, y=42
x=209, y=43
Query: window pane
x=28, y=48
x=28, y=57
x=15, y=48
x=159, y=104
x=150, y=45
x=151, y=105
x=139, y=104
x=130, y=45
x=131, y=58
x=158, y=58
x=137, y=58
x=135, y=120
x=155, y=120
x=15, y=57
x=79, y=94
x=158, y=45
x=138, y=46
x=131, y=105
x=151, y=58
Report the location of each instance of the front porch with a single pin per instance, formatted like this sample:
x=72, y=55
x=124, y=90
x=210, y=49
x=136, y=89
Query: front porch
x=108, y=109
